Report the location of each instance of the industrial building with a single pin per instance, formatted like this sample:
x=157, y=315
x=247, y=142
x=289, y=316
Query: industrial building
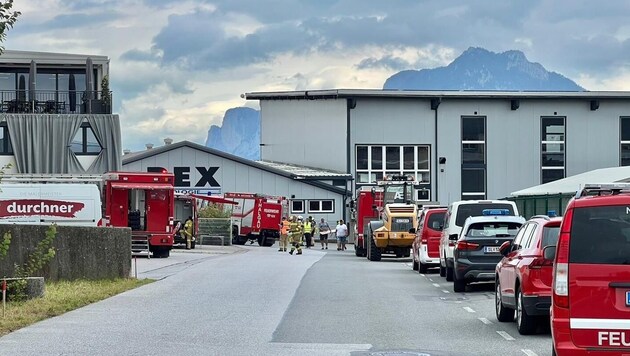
x=458, y=144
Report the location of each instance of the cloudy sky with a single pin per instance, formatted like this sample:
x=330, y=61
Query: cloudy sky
x=177, y=65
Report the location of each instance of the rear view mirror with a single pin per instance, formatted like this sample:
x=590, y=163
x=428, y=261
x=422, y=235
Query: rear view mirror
x=549, y=253
x=505, y=248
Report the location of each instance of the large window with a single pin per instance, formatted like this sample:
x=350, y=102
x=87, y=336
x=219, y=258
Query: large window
x=473, y=157
x=624, y=136
x=374, y=162
x=321, y=206
x=297, y=206
x=552, y=149
x=85, y=142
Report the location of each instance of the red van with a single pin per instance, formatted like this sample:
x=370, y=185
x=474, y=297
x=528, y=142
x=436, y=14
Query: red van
x=426, y=245
x=523, y=277
x=590, y=314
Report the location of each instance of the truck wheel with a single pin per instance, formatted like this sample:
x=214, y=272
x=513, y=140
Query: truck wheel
x=415, y=266
x=449, y=274
x=161, y=253
x=358, y=251
x=422, y=268
x=407, y=252
x=193, y=244
x=261, y=240
x=375, y=254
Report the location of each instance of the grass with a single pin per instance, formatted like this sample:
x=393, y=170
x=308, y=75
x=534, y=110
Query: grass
x=60, y=298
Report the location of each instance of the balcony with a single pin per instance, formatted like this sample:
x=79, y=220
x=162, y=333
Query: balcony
x=55, y=102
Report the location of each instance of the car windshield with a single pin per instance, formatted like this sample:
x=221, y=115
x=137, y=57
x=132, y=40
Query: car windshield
x=600, y=235
x=493, y=229
x=476, y=209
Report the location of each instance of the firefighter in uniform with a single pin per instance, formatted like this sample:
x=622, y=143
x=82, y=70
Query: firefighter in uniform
x=308, y=232
x=284, y=234
x=295, y=231
x=188, y=232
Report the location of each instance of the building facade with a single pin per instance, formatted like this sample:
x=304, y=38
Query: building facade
x=55, y=114
x=458, y=144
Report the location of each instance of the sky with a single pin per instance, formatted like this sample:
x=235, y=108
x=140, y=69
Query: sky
x=176, y=66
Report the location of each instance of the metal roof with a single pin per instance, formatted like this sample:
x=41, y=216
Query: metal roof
x=571, y=185
x=432, y=94
x=306, y=172
x=25, y=57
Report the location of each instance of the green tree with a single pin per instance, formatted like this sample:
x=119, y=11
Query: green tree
x=8, y=17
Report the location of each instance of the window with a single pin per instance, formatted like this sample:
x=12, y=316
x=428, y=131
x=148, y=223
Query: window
x=600, y=235
x=473, y=173
x=85, y=142
x=321, y=206
x=404, y=159
x=436, y=221
x=5, y=142
x=297, y=206
x=476, y=209
x=550, y=236
x=624, y=133
x=552, y=148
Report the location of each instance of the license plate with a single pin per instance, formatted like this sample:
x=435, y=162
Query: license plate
x=492, y=249
x=628, y=298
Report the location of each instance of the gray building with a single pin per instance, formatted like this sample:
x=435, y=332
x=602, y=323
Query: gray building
x=202, y=170
x=458, y=144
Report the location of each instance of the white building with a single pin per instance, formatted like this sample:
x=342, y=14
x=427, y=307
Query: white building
x=458, y=144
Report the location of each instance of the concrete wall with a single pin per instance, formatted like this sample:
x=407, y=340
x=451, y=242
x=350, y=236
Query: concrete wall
x=81, y=252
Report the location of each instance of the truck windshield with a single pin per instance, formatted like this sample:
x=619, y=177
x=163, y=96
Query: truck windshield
x=397, y=193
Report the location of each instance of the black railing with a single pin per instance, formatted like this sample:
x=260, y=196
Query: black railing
x=55, y=102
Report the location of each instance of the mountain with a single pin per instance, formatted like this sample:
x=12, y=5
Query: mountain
x=239, y=133
x=480, y=69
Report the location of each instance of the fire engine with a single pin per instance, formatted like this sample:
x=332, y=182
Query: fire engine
x=368, y=201
x=142, y=201
x=395, y=229
x=257, y=217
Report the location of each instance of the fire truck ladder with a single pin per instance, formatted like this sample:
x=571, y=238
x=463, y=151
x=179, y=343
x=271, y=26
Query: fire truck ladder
x=140, y=245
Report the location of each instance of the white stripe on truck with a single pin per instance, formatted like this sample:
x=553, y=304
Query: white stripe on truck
x=606, y=324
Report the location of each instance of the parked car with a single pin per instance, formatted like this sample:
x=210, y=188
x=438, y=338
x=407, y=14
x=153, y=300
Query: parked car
x=523, y=277
x=590, y=313
x=454, y=219
x=426, y=245
x=476, y=252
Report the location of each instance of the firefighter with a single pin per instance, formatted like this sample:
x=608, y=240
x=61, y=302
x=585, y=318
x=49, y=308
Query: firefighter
x=295, y=230
x=284, y=234
x=308, y=232
x=188, y=231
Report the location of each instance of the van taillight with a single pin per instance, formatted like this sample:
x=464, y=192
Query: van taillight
x=465, y=245
x=561, y=266
x=424, y=241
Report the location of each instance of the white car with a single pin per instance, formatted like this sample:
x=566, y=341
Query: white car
x=455, y=217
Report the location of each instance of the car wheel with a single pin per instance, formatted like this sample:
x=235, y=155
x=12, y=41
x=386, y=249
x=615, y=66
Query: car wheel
x=442, y=269
x=503, y=314
x=449, y=274
x=423, y=268
x=526, y=324
x=415, y=265
x=459, y=285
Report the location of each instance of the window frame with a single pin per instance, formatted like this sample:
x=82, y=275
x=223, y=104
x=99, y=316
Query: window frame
x=622, y=142
x=6, y=148
x=563, y=142
x=83, y=129
x=321, y=206
x=468, y=166
x=378, y=173
x=293, y=211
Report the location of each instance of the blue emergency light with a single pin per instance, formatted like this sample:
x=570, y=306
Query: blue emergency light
x=494, y=212
x=552, y=213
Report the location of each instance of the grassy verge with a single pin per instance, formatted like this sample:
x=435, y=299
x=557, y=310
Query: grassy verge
x=62, y=297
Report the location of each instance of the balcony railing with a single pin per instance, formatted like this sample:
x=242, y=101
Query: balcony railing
x=55, y=102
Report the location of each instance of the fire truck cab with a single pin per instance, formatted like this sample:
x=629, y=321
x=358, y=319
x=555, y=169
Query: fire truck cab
x=256, y=217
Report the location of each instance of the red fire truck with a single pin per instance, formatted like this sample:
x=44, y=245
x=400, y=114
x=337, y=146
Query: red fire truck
x=257, y=217
x=368, y=201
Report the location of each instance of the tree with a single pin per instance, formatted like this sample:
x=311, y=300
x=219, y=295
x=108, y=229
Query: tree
x=8, y=17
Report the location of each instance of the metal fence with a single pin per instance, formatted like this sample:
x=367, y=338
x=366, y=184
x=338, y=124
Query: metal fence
x=215, y=231
x=541, y=204
x=55, y=102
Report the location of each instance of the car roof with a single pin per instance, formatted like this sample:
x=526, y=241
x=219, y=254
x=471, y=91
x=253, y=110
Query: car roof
x=545, y=220
x=601, y=200
x=466, y=202
x=494, y=218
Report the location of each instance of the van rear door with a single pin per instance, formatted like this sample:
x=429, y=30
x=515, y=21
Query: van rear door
x=432, y=231
x=599, y=276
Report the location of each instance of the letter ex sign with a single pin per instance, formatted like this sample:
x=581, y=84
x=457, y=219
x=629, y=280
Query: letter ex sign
x=183, y=177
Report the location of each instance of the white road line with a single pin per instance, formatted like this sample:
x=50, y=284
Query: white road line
x=422, y=275
x=436, y=285
x=445, y=291
x=468, y=309
x=430, y=280
x=485, y=321
x=529, y=352
x=506, y=335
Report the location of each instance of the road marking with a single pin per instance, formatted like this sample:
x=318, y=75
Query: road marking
x=506, y=335
x=485, y=321
x=430, y=280
x=436, y=285
x=469, y=309
x=445, y=291
x=422, y=275
x=529, y=352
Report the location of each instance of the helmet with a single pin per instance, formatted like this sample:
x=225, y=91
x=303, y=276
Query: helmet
x=301, y=218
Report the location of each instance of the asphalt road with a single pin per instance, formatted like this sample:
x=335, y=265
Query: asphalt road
x=258, y=301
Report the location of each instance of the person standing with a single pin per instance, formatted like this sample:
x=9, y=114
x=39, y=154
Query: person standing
x=341, y=231
x=188, y=232
x=284, y=234
x=295, y=230
x=324, y=231
x=308, y=232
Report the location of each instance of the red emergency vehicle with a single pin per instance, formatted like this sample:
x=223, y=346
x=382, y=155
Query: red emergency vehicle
x=257, y=217
x=368, y=202
x=145, y=203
